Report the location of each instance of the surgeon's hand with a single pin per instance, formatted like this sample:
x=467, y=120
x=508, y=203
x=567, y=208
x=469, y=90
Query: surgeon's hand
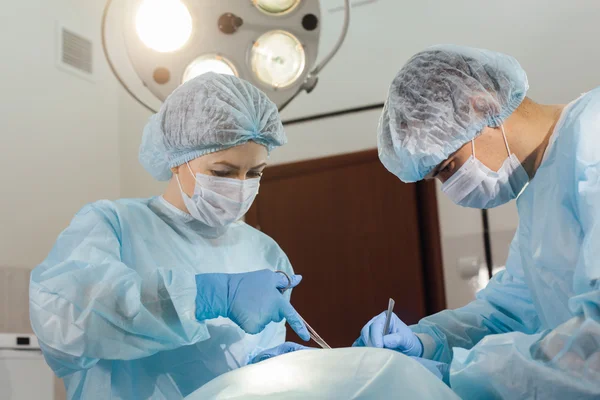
x=287, y=347
x=399, y=338
x=252, y=300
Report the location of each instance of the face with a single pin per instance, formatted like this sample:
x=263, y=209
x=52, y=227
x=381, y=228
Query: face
x=242, y=162
x=490, y=149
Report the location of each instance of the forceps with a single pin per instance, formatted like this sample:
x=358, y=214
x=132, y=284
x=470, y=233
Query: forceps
x=311, y=332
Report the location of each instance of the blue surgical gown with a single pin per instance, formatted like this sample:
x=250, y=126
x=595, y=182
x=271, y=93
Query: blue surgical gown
x=113, y=304
x=534, y=331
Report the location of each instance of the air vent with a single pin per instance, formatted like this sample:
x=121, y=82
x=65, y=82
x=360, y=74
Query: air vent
x=75, y=53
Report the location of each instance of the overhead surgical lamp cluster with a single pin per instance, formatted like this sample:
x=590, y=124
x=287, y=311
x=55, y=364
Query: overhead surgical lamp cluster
x=271, y=43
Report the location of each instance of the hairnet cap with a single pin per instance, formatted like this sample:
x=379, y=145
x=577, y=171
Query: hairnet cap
x=209, y=113
x=442, y=99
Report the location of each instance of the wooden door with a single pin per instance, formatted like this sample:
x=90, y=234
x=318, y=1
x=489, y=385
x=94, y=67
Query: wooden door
x=358, y=236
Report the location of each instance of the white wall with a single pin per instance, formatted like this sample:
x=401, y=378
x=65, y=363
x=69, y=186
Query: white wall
x=135, y=181
x=58, y=133
x=555, y=40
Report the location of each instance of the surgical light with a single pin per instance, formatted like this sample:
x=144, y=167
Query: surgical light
x=278, y=59
x=161, y=44
x=163, y=25
x=276, y=6
x=208, y=63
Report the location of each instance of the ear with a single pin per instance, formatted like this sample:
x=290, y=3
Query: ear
x=484, y=105
x=175, y=170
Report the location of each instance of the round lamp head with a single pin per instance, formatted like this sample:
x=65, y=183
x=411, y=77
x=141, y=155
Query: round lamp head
x=276, y=7
x=278, y=59
x=208, y=63
x=163, y=25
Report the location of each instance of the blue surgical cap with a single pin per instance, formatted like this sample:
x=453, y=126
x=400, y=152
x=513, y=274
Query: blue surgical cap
x=207, y=114
x=442, y=99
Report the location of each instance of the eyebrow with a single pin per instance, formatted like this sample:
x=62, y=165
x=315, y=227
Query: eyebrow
x=232, y=166
x=260, y=166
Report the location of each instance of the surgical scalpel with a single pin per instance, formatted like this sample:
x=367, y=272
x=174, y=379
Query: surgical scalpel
x=388, y=317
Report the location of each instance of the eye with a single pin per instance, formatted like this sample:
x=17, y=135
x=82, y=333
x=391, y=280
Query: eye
x=221, y=174
x=255, y=174
x=448, y=168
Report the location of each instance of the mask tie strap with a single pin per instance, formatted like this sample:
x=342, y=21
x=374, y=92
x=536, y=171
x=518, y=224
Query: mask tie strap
x=190, y=169
x=180, y=187
x=179, y=182
x=192, y=172
x=473, y=148
x=505, y=140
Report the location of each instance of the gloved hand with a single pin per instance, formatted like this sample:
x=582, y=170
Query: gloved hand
x=400, y=337
x=287, y=347
x=251, y=300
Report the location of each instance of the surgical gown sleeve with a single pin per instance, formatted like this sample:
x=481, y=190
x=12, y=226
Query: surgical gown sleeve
x=505, y=305
x=87, y=305
x=562, y=363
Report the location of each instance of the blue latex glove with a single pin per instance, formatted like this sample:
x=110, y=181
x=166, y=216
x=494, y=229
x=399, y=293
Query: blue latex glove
x=252, y=300
x=400, y=337
x=287, y=347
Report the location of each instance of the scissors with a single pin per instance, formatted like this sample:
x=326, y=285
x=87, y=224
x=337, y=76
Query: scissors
x=311, y=332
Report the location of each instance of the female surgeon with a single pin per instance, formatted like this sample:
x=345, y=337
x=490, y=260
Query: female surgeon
x=152, y=298
x=461, y=115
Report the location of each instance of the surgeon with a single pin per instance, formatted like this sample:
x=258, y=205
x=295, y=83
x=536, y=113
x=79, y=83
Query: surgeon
x=152, y=298
x=462, y=116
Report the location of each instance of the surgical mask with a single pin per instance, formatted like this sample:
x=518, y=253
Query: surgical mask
x=218, y=202
x=475, y=185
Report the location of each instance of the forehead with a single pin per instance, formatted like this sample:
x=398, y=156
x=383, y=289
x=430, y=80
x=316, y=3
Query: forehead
x=246, y=155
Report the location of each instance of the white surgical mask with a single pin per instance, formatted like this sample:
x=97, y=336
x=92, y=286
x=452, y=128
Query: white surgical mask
x=218, y=202
x=475, y=185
